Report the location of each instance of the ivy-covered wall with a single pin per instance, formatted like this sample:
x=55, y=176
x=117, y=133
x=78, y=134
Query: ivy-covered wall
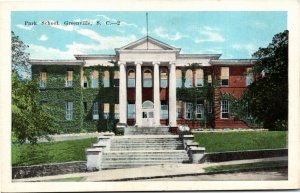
x=56, y=95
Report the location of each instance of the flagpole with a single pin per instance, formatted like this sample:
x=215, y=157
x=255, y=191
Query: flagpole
x=147, y=27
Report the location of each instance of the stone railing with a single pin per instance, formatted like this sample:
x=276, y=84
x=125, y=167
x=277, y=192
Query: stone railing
x=94, y=154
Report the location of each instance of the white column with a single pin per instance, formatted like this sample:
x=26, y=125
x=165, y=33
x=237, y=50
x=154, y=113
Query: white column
x=122, y=94
x=172, y=95
x=138, y=94
x=156, y=95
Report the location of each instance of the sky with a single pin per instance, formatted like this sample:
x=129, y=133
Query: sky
x=235, y=35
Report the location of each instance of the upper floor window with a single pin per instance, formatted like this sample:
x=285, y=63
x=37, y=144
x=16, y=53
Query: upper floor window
x=224, y=109
x=249, y=76
x=69, y=78
x=178, y=78
x=131, y=79
x=116, y=78
x=147, y=78
x=94, y=79
x=199, y=78
x=188, y=110
x=84, y=82
x=95, y=111
x=209, y=80
x=43, y=79
x=163, y=78
x=106, y=110
x=69, y=110
x=106, y=78
x=209, y=106
x=224, y=76
x=116, y=111
x=188, y=79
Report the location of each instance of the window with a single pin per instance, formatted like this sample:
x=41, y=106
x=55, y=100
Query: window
x=147, y=79
x=209, y=106
x=224, y=109
x=179, y=109
x=209, y=80
x=69, y=110
x=106, y=110
x=106, y=79
x=249, y=76
x=199, y=111
x=131, y=111
x=94, y=79
x=116, y=111
x=199, y=78
x=43, y=79
x=164, y=111
x=43, y=102
x=69, y=78
x=84, y=82
x=95, y=111
x=116, y=78
x=85, y=107
x=163, y=78
x=188, y=110
x=178, y=78
x=224, y=76
x=188, y=79
x=131, y=79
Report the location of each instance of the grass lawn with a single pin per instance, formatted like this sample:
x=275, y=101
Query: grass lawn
x=51, y=152
x=258, y=165
x=236, y=141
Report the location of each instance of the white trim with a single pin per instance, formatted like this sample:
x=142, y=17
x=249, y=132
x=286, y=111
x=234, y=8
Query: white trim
x=221, y=109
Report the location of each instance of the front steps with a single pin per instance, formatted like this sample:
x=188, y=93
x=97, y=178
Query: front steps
x=161, y=130
x=138, y=151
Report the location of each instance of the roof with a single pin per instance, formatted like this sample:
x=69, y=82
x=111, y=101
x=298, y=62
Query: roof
x=149, y=39
x=232, y=62
x=94, y=56
x=56, y=62
x=206, y=56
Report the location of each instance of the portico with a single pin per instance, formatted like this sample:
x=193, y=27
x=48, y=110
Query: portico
x=147, y=108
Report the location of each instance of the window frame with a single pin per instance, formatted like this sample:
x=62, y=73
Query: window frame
x=106, y=113
x=69, y=83
x=164, y=114
x=105, y=80
x=94, y=80
x=129, y=83
x=69, y=111
x=43, y=83
x=190, y=105
x=224, y=78
x=144, y=79
x=199, y=78
x=133, y=113
x=95, y=111
x=224, y=110
x=199, y=107
x=190, y=80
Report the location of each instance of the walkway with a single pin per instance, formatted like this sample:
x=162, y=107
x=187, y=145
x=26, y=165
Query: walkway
x=170, y=170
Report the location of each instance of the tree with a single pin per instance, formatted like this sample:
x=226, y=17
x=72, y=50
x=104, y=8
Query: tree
x=20, y=58
x=267, y=97
x=30, y=120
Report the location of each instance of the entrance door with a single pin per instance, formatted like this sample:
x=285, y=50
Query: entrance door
x=148, y=116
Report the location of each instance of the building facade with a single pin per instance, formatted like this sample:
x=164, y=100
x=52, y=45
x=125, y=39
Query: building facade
x=146, y=83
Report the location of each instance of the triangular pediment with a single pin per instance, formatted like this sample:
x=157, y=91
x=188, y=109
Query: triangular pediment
x=148, y=43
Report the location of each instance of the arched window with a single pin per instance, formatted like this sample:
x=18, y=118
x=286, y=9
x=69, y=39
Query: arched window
x=94, y=79
x=106, y=79
x=147, y=78
x=199, y=82
x=147, y=105
x=116, y=78
x=188, y=79
x=163, y=78
x=131, y=78
x=178, y=78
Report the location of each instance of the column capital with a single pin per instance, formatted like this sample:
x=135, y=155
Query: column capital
x=171, y=63
x=156, y=63
x=138, y=63
x=121, y=63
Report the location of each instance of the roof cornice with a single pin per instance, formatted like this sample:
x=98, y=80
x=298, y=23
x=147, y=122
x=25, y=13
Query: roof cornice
x=56, y=62
x=232, y=62
x=94, y=56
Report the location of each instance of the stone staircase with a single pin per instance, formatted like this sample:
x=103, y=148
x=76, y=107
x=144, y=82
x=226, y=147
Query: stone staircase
x=139, y=150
